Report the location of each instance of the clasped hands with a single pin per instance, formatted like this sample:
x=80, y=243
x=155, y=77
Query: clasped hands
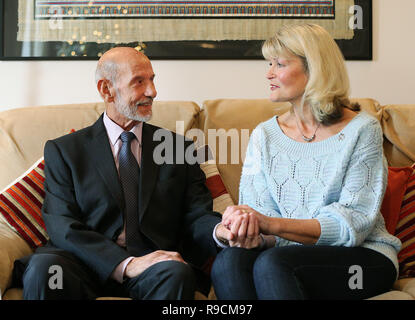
x=240, y=227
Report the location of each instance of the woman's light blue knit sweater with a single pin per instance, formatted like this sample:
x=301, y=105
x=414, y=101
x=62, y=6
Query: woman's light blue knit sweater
x=339, y=181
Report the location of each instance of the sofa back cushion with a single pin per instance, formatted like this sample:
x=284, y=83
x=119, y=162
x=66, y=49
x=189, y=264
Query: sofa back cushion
x=398, y=124
x=227, y=125
x=24, y=131
x=235, y=119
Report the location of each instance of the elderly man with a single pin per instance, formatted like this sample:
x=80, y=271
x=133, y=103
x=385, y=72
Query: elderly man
x=119, y=223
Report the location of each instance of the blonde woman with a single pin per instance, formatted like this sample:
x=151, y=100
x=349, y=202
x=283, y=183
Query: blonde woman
x=312, y=185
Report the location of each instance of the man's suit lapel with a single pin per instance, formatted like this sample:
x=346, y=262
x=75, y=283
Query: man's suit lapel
x=100, y=152
x=149, y=169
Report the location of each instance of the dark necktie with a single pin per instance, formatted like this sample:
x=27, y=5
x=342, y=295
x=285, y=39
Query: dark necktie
x=130, y=178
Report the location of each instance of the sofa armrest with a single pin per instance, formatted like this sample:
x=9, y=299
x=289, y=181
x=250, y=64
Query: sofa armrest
x=406, y=285
x=393, y=295
x=12, y=247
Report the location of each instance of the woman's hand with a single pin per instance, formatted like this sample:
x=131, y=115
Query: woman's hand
x=305, y=231
x=232, y=212
x=246, y=232
x=243, y=227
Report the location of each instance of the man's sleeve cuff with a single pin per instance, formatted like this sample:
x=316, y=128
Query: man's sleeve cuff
x=118, y=273
x=219, y=243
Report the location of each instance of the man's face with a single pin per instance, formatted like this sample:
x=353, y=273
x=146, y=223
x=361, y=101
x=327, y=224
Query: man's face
x=135, y=90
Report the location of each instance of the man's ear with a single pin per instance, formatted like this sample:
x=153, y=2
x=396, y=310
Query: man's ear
x=106, y=90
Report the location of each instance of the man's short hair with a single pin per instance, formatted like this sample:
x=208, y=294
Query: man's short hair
x=107, y=70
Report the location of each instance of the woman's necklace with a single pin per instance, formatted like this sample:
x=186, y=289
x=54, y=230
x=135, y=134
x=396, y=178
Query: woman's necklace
x=306, y=139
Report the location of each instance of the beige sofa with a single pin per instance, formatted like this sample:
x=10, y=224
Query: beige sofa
x=23, y=133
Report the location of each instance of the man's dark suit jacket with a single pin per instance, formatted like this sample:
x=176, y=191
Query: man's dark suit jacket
x=83, y=207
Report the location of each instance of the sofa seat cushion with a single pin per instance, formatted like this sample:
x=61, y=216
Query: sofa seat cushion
x=17, y=294
x=393, y=295
x=13, y=294
x=407, y=285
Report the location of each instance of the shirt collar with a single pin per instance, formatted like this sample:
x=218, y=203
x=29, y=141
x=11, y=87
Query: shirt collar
x=114, y=130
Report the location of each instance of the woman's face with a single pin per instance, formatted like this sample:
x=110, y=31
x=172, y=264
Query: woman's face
x=287, y=79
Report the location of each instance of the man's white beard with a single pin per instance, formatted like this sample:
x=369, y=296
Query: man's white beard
x=130, y=111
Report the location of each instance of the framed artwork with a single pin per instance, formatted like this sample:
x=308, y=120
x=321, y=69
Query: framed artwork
x=172, y=29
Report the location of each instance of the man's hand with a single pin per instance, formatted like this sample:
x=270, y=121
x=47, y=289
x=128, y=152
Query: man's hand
x=239, y=228
x=223, y=234
x=138, y=264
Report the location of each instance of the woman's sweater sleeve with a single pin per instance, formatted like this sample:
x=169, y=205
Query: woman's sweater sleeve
x=253, y=189
x=349, y=221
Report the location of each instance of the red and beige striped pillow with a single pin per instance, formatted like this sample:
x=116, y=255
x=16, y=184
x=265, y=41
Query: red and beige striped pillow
x=221, y=197
x=21, y=203
x=405, y=230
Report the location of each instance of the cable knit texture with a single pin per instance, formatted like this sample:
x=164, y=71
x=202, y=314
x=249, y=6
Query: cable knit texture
x=339, y=181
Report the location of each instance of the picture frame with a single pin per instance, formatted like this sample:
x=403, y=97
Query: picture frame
x=357, y=48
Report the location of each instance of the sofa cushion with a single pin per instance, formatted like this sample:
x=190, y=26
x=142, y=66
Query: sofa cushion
x=369, y=105
x=397, y=182
x=393, y=295
x=405, y=230
x=17, y=294
x=12, y=247
x=13, y=294
x=24, y=131
x=231, y=121
x=406, y=285
x=221, y=197
x=398, y=125
x=234, y=120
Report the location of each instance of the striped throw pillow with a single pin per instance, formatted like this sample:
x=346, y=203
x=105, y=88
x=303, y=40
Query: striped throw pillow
x=220, y=196
x=405, y=230
x=21, y=203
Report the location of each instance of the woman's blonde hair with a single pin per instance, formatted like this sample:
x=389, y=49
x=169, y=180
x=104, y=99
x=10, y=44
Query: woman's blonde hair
x=327, y=89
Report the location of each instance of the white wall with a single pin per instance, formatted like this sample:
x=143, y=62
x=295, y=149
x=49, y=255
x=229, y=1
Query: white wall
x=389, y=78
